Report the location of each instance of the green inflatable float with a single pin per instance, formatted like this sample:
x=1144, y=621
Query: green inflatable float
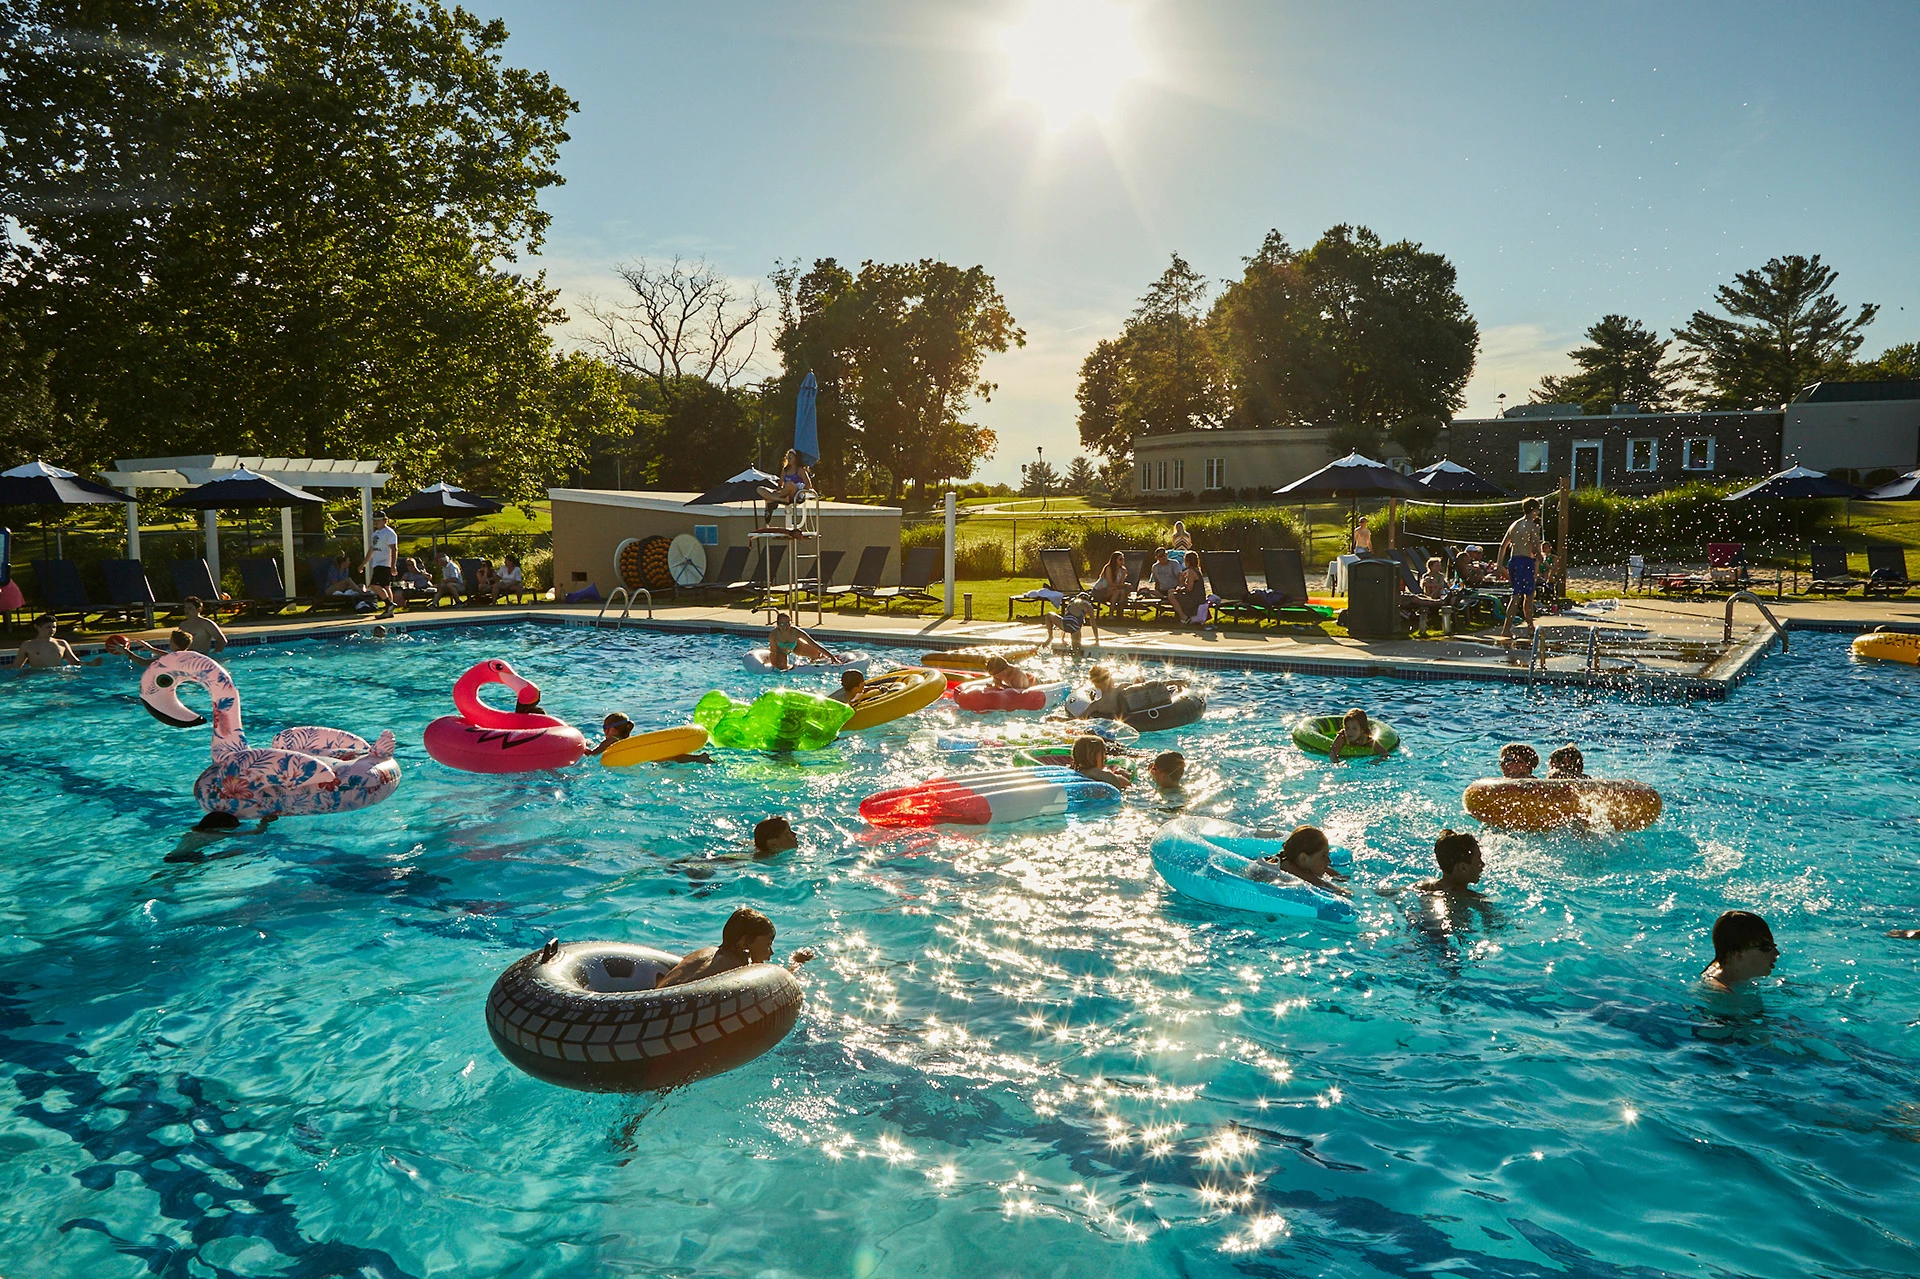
x=785, y=719
x=1315, y=734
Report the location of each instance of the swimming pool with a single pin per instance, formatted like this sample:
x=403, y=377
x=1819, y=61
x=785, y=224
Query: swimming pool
x=1021, y=1054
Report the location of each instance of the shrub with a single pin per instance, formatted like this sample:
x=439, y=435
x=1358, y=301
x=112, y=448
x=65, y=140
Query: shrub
x=973, y=558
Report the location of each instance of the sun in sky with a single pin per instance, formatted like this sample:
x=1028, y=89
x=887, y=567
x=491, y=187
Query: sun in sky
x=1071, y=58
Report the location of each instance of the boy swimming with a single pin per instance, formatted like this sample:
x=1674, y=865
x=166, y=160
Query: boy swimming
x=1307, y=856
x=1743, y=950
x=1461, y=865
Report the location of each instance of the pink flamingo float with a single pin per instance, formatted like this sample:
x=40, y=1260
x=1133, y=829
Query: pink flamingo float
x=481, y=739
x=306, y=771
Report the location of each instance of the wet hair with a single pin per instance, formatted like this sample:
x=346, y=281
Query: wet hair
x=1349, y=717
x=616, y=719
x=46, y=619
x=743, y=926
x=194, y=601
x=1454, y=848
x=217, y=821
x=1567, y=762
x=765, y=830
x=996, y=664
x=1738, y=930
x=1521, y=754
x=181, y=641
x=1171, y=765
x=852, y=678
x=781, y=619
x=1089, y=752
x=1099, y=676
x=1303, y=841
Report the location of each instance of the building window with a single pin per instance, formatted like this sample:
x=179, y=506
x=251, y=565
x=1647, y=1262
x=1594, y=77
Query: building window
x=1533, y=457
x=1179, y=473
x=1643, y=455
x=1160, y=476
x=1216, y=472
x=1696, y=453
x=1143, y=476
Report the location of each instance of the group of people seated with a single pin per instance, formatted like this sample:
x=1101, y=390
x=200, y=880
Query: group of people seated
x=489, y=584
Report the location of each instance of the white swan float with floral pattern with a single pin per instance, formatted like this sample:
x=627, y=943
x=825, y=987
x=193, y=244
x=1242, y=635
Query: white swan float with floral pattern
x=306, y=771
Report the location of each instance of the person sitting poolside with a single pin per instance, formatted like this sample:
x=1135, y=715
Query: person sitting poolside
x=851, y=682
x=453, y=584
x=1461, y=865
x=46, y=650
x=1517, y=759
x=1355, y=730
x=1112, y=586
x=1168, y=771
x=1432, y=594
x=1004, y=674
x=412, y=576
x=1074, y=614
x=746, y=939
x=773, y=836
x=795, y=479
x=1743, y=950
x=1306, y=855
x=485, y=586
x=616, y=727
x=1090, y=761
x=1162, y=575
x=1567, y=762
x=789, y=641
x=510, y=580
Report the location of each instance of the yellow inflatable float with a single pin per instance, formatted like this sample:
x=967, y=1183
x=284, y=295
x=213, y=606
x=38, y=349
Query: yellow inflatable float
x=1554, y=803
x=1888, y=646
x=975, y=659
x=651, y=748
x=885, y=698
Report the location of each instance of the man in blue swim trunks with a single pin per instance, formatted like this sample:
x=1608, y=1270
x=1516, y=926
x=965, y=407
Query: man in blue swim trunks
x=1521, y=549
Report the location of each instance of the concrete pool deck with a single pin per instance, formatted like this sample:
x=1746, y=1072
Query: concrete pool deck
x=1669, y=647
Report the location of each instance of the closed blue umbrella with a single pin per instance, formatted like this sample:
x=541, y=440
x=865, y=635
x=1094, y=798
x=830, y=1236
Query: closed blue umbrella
x=806, y=423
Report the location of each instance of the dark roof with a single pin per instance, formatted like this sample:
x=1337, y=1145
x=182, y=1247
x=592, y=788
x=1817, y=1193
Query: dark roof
x=1842, y=392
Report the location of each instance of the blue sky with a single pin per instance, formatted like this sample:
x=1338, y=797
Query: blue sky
x=1570, y=160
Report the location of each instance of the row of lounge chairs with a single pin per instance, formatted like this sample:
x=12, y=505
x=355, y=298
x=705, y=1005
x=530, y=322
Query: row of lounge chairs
x=1284, y=601
x=729, y=578
x=1886, y=572
x=130, y=595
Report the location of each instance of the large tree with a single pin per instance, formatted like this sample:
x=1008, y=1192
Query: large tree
x=1353, y=332
x=1160, y=375
x=245, y=226
x=898, y=351
x=1783, y=331
x=1624, y=362
x=1896, y=363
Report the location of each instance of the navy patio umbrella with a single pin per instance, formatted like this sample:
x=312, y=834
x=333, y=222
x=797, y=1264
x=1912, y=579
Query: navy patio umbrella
x=446, y=501
x=806, y=422
x=1450, y=480
x=1352, y=477
x=744, y=487
x=1796, y=483
x=38, y=484
x=248, y=491
x=1904, y=489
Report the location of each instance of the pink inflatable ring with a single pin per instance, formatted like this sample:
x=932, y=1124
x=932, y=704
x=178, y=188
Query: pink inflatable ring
x=483, y=740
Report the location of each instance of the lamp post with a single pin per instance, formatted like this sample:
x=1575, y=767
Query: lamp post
x=1040, y=473
x=1502, y=398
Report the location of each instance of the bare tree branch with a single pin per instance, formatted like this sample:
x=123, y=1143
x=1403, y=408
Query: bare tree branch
x=680, y=319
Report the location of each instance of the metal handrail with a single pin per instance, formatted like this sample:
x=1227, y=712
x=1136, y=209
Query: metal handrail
x=626, y=596
x=1726, y=636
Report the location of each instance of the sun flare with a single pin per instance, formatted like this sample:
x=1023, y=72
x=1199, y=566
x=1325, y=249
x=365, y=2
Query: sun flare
x=1072, y=58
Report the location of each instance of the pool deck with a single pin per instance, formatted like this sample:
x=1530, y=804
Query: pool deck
x=1668, y=647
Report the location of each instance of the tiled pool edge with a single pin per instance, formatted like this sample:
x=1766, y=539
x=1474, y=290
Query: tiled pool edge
x=1715, y=684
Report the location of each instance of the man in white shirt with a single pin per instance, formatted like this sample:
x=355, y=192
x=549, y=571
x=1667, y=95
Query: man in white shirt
x=383, y=553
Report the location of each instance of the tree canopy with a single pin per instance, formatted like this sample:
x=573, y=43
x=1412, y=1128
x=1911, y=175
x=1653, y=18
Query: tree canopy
x=1783, y=331
x=287, y=229
x=1160, y=375
x=1624, y=362
x=898, y=352
x=1896, y=363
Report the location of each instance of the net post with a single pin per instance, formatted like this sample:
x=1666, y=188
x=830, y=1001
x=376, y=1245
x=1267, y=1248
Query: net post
x=1560, y=560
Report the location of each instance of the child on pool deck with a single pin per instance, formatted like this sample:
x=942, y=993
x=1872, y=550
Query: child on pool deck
x=1355, y=730
x=1074, y=614
x=1567, y=762
x=1460, y=862
x=1090, y=761
x=850, y=683
x=616, y=727
x=1517, y=759
x=1004, y=674
x=1306, y=855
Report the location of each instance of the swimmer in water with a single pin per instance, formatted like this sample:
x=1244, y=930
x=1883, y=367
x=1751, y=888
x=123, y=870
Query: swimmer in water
x=1743, y=950
x=746, y=939
x=789, y=641
x=1567, y=762
x=851, y=681
x=1355, y=730
x=616, y=727
x=1307, y=856
x=1168, y=771
x=47, y=651
x=211, y=829
x=178, y=642
x=1461, y=865
x=1090, y=761
x=773, y=836
x=1517, y=759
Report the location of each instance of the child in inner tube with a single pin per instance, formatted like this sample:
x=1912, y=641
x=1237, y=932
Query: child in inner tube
x=1305, y=856
x=1090, y=761
x=789, y=641
x=1355, y=730
x=1518, y=760
x=1567, y=762
x=746, y=939
x=616, y=727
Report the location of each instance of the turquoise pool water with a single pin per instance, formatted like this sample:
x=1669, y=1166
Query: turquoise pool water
x=1021, y=1054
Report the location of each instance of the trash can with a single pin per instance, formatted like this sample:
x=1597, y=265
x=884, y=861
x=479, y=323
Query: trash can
x=1373, y=603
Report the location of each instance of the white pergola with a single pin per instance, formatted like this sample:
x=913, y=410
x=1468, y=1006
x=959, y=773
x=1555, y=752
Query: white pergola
x=134, y=474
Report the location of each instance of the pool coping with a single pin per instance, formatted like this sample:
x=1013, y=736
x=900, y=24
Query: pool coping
x=1715, y=682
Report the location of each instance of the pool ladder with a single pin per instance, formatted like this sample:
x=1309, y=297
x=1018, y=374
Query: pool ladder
x=1748, y=596
x=625, y=596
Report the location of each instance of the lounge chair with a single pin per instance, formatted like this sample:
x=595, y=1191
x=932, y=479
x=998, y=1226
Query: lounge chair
x=1887, y=570
x=1727, y=565
x=1286, y=593
x=128, y=588
x=866, y=574
x=917, y=571
x=260, y=578
x=1063, y=579
x=828, y=565
x=193, y=577
x=731, y=567
x=1143, y=599
x=1828, y=573
x=1229, y=586
x=320, y=569
x=766, y=583
x=62, y=593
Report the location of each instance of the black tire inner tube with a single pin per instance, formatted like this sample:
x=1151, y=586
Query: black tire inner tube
x=1177, y=713
x=586, y=1015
